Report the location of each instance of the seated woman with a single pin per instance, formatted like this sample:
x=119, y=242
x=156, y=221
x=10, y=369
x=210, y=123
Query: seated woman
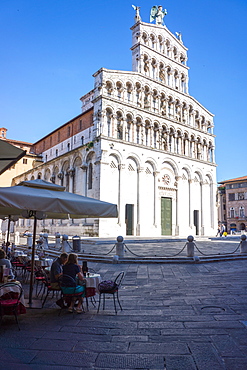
x=73, y=270
x=6, y=262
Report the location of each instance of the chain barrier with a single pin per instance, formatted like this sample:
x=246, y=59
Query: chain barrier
x=101, y=254
x=173, y=255
x=216, y=254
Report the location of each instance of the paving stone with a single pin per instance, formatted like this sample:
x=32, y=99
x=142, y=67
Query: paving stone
x=54, y=344
x=226, y=346
x=160, y=325
x=206, y=356
x=235, y=364
x=162, y=348
x=94, y=346
x=78, y=359
x=215, y=324
x=135, y=361
x=131, y=338
x=16, y=342
x=14, y=355
x=179, y=363
x=87, y=330
x=197, y=331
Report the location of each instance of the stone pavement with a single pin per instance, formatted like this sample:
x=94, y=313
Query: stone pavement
x=175, y=317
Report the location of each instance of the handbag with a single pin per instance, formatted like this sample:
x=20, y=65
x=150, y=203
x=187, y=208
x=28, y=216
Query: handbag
x=107, y=286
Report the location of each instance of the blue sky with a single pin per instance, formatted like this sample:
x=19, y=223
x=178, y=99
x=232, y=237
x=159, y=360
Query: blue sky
x=51, y=48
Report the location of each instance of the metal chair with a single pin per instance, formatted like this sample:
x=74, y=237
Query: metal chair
x=10, y=300
x=110, y=287
x=66, y=281
x=49, y=289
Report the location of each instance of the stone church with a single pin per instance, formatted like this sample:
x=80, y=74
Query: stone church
x=141, y=142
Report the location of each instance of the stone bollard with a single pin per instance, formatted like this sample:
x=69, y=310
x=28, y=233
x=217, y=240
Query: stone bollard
x=190, y=246
x=115, y=259
x=45, y=241
x=120, y=247
x=243, y=244
x=65, y=244
x=29, y=240
x=17, y=238
x=58, y=242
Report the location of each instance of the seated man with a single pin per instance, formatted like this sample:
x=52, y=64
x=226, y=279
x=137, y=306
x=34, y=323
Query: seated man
x=57, y=270
x=5, y=262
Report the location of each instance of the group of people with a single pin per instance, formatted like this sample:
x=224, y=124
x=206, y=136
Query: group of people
x=221, y=231
x=66, y=274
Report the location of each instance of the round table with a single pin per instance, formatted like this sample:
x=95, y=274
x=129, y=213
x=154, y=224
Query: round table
x=92, y=282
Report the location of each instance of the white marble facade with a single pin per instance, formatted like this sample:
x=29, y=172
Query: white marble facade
x=153, y=146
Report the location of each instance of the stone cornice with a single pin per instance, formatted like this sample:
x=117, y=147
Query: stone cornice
x=130, y=106
x=118, y=72
x=160, y=54
x=111, y=139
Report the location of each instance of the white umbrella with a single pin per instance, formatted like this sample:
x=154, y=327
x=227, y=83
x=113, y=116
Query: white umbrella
x=41, y=199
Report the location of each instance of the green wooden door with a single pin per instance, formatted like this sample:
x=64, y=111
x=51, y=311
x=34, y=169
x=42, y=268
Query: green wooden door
x=129, y=219
x=166, y=216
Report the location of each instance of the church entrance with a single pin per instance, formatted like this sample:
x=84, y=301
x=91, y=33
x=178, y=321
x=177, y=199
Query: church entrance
x=129, y=219
x=166, y=216
x=196, y=220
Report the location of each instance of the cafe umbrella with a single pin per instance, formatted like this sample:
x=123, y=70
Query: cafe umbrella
x=41, y=199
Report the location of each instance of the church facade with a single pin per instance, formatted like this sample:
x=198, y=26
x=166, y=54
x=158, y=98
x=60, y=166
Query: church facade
x=141, y=142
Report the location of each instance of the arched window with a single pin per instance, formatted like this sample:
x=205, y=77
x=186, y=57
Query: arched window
x=119, y=126
x=232, y=212
x=119, y=89
x=90, y=176
x=129, y=91
x=241, y=212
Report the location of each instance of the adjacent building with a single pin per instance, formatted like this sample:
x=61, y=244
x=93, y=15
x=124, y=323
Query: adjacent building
x=30, y=160
x=234, y=196
x=142, y=142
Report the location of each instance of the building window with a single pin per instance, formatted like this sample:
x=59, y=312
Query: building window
x=231, y=196
x=24, y=160
x=241, y=212
x=232, y=213
x=82, y=140
x=80, y=124
x=240, y=196
x=68, y=130
x=90, y=176
x=68, y=146
x=56, y=152
x=58, y=136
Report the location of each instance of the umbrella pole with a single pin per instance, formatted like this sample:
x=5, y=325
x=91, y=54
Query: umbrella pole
x=8, y=231
x=32, y=262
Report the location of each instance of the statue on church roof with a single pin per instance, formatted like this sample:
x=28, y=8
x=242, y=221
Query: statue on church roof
x=137, y=15
x=157, y=13
x=179, y=36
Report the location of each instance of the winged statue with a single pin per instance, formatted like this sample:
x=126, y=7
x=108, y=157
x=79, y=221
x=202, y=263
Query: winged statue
x=157, y=13
x=137, y=15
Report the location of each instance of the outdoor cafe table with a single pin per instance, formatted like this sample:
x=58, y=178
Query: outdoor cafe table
x=92, y=282
x=14, y=289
